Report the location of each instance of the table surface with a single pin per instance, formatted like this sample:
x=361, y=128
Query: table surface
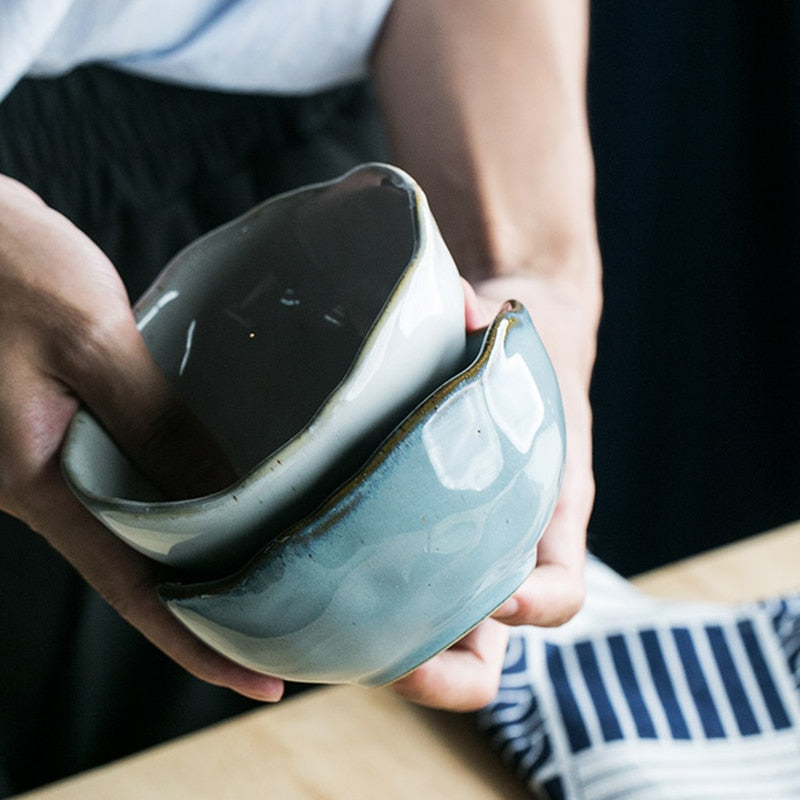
x=345, y=742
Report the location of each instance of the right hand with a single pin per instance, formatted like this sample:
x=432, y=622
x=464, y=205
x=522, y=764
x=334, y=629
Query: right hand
x=68, y=337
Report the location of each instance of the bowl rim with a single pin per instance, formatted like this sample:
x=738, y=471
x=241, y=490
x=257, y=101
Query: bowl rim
x=511, y=314
x=421, y=222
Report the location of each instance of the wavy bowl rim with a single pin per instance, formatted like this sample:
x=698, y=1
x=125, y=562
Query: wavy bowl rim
x=168, y=508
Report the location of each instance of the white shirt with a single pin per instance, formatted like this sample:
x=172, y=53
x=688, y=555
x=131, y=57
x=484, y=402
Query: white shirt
x=279, y=46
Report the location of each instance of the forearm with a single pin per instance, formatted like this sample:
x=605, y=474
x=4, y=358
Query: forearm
x=484, y=104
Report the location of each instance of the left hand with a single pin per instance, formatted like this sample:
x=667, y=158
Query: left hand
x=68, y=337
x=466, y=676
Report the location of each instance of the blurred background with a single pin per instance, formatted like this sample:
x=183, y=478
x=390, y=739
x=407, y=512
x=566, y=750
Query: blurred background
x=695, y=116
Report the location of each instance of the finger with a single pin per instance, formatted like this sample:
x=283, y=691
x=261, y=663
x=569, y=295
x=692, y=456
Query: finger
x=550, y=596
x=127, y=581
x=477, y=313
x=554, y=592
x=74, y=322
x=35, y=411
x=67, y=333
x=116, y=377
x=463, y=678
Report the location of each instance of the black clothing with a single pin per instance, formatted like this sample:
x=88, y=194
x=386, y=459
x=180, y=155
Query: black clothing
x=143, y=168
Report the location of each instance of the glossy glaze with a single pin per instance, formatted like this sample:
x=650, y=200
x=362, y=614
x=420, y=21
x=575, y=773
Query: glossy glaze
x=430, y=537
x=300, y=334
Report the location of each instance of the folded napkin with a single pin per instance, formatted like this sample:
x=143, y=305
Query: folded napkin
x=641, y=699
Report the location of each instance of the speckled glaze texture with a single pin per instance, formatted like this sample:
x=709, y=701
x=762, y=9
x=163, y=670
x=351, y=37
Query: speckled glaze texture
x=435, y=532
x=300, y=334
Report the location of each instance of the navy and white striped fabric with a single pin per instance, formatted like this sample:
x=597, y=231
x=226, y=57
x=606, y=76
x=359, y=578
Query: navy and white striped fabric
x=640, y=699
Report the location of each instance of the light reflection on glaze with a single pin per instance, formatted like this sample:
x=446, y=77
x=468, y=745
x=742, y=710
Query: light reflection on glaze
x=549, y=448
x=336, y=316
x=513, y=398
x=164, y=300
x=289, y=298
x=462, y=440
x=462, y=444
x=427, y=285
x=187, y=349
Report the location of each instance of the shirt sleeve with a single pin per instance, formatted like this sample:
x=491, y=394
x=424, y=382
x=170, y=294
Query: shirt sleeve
x=25, y=28
x=242, y=45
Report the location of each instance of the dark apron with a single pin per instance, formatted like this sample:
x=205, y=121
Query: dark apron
x=143, y=168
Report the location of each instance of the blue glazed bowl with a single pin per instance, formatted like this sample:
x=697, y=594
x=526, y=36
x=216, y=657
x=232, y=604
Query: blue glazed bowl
x=439, y=527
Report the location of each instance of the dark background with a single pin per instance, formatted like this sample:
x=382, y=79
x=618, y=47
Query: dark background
x=695, y=116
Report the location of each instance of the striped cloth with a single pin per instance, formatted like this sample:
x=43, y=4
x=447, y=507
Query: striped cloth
x=641, y=699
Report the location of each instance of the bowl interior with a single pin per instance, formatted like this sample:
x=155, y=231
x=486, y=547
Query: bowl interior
x=260, y=321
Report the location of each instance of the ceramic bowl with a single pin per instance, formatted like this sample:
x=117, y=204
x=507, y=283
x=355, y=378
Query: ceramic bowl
x=437, y=530
x=300, y=334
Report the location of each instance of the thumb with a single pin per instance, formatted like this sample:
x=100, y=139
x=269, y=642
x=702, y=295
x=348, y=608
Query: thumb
x=477, y=314
x=118, y=380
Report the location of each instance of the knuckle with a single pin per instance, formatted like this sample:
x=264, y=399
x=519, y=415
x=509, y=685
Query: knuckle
x=19, y=476
x=549, y=605
x=572, y=605
x=30, y=441
x=81, y=338
x=484, y=694
x=88, y=340
x=568, y=606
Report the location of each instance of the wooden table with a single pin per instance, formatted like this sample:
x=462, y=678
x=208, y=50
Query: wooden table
x=344, y=742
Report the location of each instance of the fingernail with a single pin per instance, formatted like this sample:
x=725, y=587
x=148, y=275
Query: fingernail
x=271, y=691
x=508, y=609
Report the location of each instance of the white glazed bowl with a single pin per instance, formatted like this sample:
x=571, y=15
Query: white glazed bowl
x=300, y=333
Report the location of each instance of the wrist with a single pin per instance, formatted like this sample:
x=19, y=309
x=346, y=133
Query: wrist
x=564, y=299
x=561, y=267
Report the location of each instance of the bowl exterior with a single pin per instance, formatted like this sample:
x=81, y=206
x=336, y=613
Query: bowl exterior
x=412, y=347
x=435, y=533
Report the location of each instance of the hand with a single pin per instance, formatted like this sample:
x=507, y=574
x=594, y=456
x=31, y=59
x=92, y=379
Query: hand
x=67, y=336
x=466, y=676
x=566, y=323
x=484, y=105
